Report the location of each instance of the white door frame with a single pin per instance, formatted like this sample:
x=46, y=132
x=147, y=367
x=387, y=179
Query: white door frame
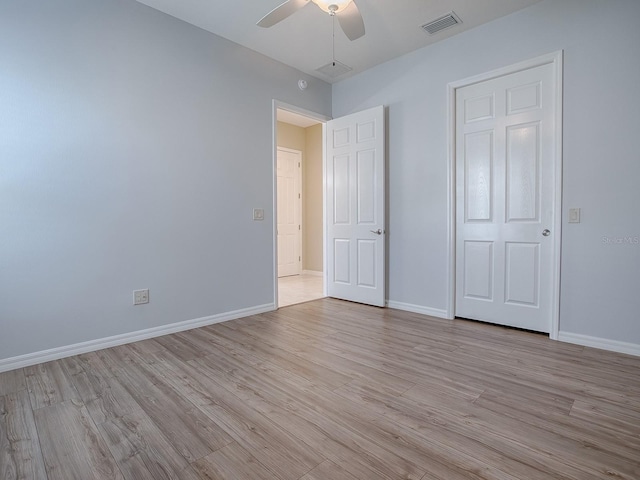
x=278, y=105
x=555, y=59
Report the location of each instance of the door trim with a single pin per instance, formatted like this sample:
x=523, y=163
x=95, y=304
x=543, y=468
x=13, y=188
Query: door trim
x=555, y=59
x=275, y=106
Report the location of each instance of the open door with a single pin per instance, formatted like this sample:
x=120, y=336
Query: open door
x=355, y=207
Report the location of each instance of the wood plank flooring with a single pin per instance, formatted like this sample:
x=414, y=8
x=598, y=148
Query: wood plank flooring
x=327, y=390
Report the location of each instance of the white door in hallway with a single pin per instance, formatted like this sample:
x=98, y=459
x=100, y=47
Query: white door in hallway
x=289, y=199
x=506, y=139
x=355, y=207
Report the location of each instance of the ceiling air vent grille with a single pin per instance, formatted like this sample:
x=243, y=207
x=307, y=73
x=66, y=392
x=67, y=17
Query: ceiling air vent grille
x=439, y=24
x=334, y=69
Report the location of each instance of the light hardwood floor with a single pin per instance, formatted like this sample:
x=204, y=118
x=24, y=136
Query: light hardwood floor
x=327, y=390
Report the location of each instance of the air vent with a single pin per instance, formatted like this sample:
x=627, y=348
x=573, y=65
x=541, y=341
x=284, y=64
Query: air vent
x=439, y=24
x=334, y=69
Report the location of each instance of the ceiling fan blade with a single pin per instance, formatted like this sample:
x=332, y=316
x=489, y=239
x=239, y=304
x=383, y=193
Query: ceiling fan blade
x=351, y=21
x=281, y=12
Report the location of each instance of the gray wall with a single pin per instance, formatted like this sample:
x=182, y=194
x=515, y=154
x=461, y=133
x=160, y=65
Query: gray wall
x=124, y=164
x=600, y=280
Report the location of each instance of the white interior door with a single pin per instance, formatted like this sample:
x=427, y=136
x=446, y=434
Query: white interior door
x=505, y=201
x=355, y=207
x=289, y=200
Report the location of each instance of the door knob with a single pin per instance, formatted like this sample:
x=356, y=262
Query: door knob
x=377, y=232
x=546, y=232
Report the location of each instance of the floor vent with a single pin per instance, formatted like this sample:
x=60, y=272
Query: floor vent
x=439, y=24
x=334, y=69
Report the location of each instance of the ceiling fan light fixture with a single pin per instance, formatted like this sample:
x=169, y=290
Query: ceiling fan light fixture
x=329, y=5
x=345, y=11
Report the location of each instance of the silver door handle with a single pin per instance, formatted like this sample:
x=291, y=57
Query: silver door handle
x=546, y=232
x=377, y=232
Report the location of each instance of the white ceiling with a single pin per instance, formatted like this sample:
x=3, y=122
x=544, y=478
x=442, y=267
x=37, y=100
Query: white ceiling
x=303, y=40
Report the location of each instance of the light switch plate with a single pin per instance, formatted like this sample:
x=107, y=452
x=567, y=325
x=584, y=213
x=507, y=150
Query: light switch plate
x=258, y=214
x=574, y=215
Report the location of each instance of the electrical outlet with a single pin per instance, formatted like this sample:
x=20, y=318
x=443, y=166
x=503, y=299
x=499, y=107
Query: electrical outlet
x=258, y=214
x=140, y=297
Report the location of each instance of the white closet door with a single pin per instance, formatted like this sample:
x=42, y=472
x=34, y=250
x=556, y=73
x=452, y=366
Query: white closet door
x=505, y=181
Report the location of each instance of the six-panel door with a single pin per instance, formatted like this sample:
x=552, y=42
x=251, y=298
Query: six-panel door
x=505, y=178
x=289, y=212
x=355, y=207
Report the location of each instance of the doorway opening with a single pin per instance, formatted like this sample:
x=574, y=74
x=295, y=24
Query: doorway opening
x=352, y=199
x=299, y=166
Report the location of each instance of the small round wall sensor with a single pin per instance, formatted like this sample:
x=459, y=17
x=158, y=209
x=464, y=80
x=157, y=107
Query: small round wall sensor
x=302, y=84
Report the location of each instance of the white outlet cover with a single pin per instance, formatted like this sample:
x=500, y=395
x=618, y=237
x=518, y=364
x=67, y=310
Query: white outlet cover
x=140, y=297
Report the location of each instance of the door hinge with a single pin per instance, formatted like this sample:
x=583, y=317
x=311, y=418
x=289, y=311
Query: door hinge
x=298, y=164
x=299, y=196
x=299, y=227
x=299, y=259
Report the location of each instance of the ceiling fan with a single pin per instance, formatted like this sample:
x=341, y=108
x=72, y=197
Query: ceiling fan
x=345, y=11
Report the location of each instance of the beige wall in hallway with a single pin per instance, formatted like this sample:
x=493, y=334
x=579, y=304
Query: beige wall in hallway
x=292, y=136
x=312, y=180
x=309, y=142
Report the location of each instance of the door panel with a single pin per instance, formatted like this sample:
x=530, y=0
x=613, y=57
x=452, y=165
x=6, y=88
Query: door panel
x=366, y=263
x=341, y=192
x=366, y=182
x=523, y=98
x=479, y=108
x=478, y=172
x=522, y=164
x=342, y=261
x=355, y=183
x=522, y=273
x=478, y=272
x=505, y=181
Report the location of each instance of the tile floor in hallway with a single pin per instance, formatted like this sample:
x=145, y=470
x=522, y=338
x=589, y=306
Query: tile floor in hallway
x=298, y=289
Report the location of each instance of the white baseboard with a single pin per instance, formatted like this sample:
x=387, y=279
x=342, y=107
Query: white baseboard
x=408, y=307
x=93, y=345
x=315, y=273
x=602, y=343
